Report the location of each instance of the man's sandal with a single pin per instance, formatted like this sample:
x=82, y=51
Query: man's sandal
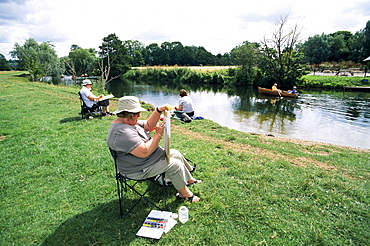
x=190, y=199
x=195, y=182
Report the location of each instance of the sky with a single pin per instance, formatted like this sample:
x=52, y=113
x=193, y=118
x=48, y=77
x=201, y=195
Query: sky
x=218, y=26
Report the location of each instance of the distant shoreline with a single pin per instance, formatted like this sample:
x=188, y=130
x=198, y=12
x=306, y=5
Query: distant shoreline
x=343, y=73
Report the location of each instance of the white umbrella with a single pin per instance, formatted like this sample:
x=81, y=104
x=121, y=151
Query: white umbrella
x=367, y=59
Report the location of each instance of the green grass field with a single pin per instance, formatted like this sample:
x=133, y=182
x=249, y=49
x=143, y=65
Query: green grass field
x=332, y=82
x=58, y=186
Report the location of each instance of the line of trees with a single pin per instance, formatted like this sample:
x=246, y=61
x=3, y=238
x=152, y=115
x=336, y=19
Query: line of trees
x=282, y=58
x=338, y=46
x=334, y=47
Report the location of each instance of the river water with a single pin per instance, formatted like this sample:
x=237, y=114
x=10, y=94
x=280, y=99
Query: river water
x=335, y=117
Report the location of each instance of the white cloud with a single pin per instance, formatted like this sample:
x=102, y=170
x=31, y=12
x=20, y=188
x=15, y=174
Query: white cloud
x=217, y=26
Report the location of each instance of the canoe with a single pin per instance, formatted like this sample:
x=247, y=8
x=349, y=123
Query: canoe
x=276, y=93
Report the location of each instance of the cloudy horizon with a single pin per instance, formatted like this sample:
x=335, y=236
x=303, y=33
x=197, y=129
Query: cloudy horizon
x=217, y=26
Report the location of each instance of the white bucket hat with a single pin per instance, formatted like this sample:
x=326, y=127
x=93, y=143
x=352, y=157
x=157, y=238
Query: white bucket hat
x=86, y=82
x=129, y=104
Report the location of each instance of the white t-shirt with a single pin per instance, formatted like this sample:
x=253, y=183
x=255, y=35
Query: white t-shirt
x=85, y=93
x=187, y=104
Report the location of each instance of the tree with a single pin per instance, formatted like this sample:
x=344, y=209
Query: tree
x=339, y=47
x=281, y=62
x=176, y=53
x=357, y=48
x=74, y=47
x=4, y=66
x=153, y=54
x=366, y=44
x=164, y=55
x=204, y=57
x=317, y=49
x=188, y=55
x=80, y=61
x=39, y=60
x=136, y=51
x=247, y=56
x=114, y=59
x=171, y=54
x=224, y=60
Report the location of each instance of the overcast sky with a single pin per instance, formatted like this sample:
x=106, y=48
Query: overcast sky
x=218, y=26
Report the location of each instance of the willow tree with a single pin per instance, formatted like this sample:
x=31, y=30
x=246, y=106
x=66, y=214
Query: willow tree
x=281, y=61
x=40, y=60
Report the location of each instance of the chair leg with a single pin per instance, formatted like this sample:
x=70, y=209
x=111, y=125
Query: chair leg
x=119, y=189
x=84, y=111
x=142, y=196
x=164, y=190
x=123, y=186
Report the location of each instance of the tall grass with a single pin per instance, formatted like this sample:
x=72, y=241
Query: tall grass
x=58, y=186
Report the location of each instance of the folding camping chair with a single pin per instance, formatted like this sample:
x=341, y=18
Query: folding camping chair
x=87, y=110
x=124, y=184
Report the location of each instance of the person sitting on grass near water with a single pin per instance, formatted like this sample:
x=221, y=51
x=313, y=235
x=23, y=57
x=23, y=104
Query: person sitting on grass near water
x=138, y=154
x=185, y=103
x=91, y=101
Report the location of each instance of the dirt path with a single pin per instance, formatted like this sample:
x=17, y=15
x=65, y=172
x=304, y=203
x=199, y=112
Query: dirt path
x=301, y=161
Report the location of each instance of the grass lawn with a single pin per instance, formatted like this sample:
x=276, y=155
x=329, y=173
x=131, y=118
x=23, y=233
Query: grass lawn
x=332, y=82
x=58, y=186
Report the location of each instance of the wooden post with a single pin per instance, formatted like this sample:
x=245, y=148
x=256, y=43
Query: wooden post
x=167, y=133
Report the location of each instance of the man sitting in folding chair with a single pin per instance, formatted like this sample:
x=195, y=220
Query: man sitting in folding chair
x=138, y=154
x=91, y=101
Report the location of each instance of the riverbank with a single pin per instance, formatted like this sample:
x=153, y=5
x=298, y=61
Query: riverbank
x=58, y=185
x=346, y=73
x=231, y=75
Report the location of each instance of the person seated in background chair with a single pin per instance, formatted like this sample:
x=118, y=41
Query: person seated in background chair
x=138, y=154
x=91, y=101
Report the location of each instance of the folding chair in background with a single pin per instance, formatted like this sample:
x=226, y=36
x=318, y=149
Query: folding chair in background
x=87, y=110
x=125, y=184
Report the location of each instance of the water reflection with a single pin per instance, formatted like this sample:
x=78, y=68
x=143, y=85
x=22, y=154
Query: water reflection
x=353, y=106
x=327, y=116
